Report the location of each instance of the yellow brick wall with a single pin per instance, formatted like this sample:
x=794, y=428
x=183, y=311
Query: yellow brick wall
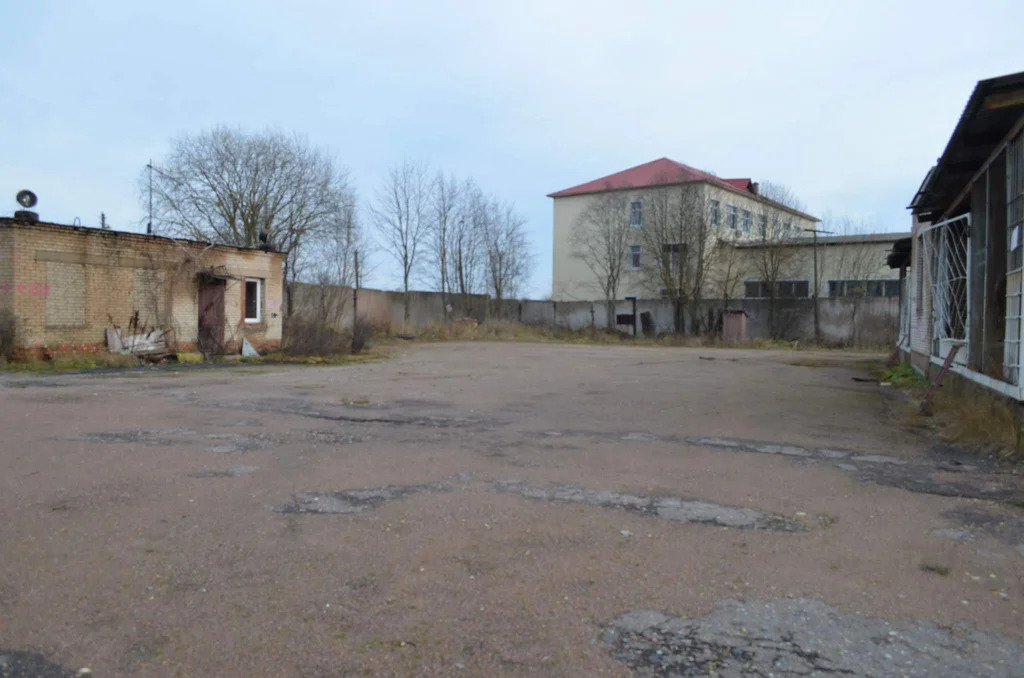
x=68, y=284
x=6, y=268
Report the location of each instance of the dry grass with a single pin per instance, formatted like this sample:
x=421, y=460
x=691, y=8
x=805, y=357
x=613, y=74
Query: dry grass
x=76, y=361
x=968, y=415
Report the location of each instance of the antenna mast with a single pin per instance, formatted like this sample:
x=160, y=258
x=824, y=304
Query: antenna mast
x=149, y=226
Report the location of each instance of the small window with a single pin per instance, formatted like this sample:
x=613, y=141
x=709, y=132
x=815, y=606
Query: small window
x=747, y=221
x=636, y=214
x=634, y=257
x=253, y=300
x=762, y=226
x=730, y=216
x=716, y=212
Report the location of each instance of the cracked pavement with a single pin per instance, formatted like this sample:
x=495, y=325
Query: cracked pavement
x=497, y=509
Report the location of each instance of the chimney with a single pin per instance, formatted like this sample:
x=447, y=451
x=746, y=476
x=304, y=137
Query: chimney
x=755, y=188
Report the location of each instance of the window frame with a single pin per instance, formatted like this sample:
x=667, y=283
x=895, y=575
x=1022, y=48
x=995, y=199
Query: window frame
x=635, y=257
x=792, y=283
x=258, y=318
x=636, y=208
x=746, y=221
x=731, y=217
x=716, y=212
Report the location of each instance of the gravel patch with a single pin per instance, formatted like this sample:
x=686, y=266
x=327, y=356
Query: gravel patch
x=670, y=508
x=804, y=637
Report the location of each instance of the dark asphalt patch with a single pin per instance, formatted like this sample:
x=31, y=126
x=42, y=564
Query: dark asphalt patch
x=951, y=474
x=14, y=664
x=670, y=508
x=154, y=437
x=976, y=520
x=804, y=637
x=313, y=410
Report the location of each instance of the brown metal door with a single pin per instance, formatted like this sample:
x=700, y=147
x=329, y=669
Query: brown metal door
x=211, y=316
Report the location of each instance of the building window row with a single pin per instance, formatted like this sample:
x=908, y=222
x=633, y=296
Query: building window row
x=784, y=289
x=863, y=288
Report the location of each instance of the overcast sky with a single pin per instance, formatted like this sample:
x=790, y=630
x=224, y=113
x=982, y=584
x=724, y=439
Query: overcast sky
x=848, y=103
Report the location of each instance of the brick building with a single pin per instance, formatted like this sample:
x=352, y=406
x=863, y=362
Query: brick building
x=66, y=285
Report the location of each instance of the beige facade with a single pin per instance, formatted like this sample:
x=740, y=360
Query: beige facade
x=67, y=285
x=572, y=278
x=847, y=266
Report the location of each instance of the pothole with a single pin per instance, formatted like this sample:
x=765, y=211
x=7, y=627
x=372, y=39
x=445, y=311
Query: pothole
x=348, y=502
x=803, y=637
x=670, y=508
x=232, y=472
x=234, y=443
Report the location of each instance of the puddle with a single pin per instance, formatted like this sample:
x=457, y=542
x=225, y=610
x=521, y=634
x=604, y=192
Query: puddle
x=803, y=637
x=670, y=508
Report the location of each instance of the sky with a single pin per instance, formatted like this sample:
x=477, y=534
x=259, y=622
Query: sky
x=847, y=103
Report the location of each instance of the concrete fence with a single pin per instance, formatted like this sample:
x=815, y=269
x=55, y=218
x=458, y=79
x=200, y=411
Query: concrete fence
x=850, y=321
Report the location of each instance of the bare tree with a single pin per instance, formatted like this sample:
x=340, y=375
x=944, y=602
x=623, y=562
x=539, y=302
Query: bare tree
x=601, y=238
x=401, y=216
x=446, y=208
x=506, y=251
x=466, y=244
x=679, y=237
x=231, y=187
x=774, y=259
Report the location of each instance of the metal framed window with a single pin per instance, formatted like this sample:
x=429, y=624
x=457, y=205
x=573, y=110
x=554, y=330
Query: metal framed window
x=746, y=223
x=784, y=289
x=715, y=209
x=636, y=214
x=730, y=216
x=634, y=257
x=864, y=288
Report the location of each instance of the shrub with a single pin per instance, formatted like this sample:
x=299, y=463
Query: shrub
x=362, y=331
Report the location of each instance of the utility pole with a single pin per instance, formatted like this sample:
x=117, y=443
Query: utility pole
x=817, y=320
x=355, y=297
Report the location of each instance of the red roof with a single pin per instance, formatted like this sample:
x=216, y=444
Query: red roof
x=660, y=172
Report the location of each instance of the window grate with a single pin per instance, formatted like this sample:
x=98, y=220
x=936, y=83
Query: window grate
x=945, y=254
x=1014, y=226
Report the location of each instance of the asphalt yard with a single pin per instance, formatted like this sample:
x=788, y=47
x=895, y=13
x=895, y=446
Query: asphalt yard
x=500, y=509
